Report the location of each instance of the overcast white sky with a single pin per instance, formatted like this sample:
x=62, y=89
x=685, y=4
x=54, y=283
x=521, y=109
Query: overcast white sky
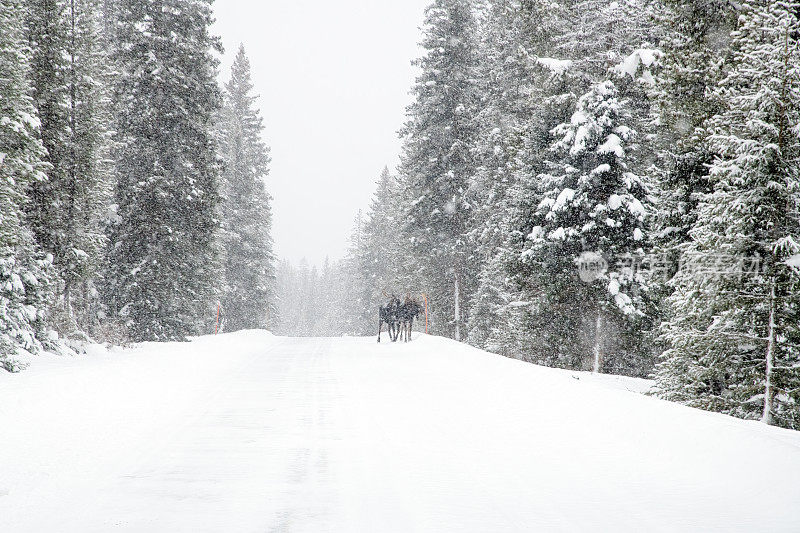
x=333, y=80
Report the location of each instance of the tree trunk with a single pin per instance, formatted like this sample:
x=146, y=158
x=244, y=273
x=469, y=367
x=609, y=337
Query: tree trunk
x=768, y=392
x=598, y=352
x=71, y=324
x=457, y=305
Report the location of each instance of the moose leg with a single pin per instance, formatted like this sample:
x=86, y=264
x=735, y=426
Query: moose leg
x=380, y=328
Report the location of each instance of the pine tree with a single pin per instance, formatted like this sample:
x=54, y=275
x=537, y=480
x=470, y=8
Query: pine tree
x=591, y=203
x=516, y=115
x=47, y=38
x=354, y=309
x=358, y=290
x=696, y=46
x=67, y=210
x=437, y=164
x=24, y=272
x=246, y=213
x=597, y=35
x=581, y=46
x=383, y=265
x=88, y=170
x=486, y=324
x=734, y=340
x=164, y=257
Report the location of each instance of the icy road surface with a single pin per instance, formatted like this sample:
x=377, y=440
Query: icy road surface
x=253, y=433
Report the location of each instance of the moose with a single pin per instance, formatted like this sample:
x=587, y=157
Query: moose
x=410, y=310
x=399, y=317
x=390, y=314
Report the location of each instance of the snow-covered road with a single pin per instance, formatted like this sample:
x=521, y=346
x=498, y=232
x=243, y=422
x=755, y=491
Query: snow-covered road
x=253, y=433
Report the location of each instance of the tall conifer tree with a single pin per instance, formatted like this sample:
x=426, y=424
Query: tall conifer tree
x=437, y=164
x=591, y=202
x=734, y=339
x=383, y=266
x=246, y=213
x=46, y=32
x=88, y=171
x=164, y=257
x=517, y=81
x=696, y=46
x=24, y=277
x=67, y=211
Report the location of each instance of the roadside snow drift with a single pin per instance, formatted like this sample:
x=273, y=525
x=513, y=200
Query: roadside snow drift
x=253, y=433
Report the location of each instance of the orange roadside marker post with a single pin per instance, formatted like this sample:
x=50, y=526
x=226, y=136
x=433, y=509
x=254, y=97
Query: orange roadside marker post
x=425, y=297
x=216, y=326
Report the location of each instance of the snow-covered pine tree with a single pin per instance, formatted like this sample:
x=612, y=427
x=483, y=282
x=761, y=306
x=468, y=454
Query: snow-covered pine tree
x=300, y=297
x=328, y=285
x=487, y=323
x=518, y=79
x=246, y=213
x=614, y=40
x=90, y=170
x=46, y=33
x=511, y=36
x=592, y=203
x=342, y=312
x=604, y=40
x=357, y=309
x=596, y=35
x=164, y=259
x=382, y=259
x=24, y=273
x=734, y=341
x=69, y=212
x=696, y=47
x=437, y=165
x=696, y=50
x=587, y=42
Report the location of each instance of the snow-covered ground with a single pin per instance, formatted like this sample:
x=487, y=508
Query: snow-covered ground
x=253, y=433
